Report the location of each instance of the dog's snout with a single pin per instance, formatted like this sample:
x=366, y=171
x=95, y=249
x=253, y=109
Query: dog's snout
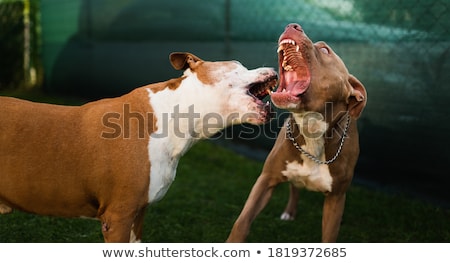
x=294, y=26
x=267, y=72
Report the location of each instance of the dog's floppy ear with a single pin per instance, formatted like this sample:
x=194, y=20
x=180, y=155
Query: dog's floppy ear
x=183, y=60
x=358, y=97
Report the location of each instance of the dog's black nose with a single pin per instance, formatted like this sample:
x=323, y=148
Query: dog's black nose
x=295, y=26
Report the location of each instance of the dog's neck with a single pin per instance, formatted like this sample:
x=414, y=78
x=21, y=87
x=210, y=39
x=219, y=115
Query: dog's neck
x=312, y=127
x=316, y=131
x=184, y=116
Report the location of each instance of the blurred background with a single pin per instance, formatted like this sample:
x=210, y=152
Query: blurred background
x=400, y=51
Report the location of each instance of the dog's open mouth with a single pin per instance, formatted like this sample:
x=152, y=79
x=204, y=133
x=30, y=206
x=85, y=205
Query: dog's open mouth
x=260, y=90
x=294, y=73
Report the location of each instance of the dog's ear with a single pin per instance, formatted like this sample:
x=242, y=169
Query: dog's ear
x=358, y=97
x=183, y=60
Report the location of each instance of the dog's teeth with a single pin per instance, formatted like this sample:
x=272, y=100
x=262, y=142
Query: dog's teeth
x=287, y=41
x=297, y=48
x=286, y=66
x=280, y=48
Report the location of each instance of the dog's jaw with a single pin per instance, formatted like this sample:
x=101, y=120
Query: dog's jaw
x=295, y=76
x=248, y=89
x=294, y=59
x=258, y=91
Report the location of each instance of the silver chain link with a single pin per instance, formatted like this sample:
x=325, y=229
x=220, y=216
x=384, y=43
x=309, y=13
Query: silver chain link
x=310, y=156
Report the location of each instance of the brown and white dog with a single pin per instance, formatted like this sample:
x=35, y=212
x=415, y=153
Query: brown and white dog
x=318, y=146
x=110, y=158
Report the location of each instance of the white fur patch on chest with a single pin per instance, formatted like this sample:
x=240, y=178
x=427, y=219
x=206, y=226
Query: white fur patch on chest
x=161, y=148
x=314, y=177
x=309, y=174
x=162, y=170
x=178, y=113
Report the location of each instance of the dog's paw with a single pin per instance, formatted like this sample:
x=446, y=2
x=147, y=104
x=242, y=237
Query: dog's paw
x=286, y=216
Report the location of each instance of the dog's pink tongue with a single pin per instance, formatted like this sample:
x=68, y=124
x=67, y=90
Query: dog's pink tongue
x=295, y=85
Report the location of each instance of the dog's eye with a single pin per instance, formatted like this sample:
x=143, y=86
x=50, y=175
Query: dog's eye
x=324, y=50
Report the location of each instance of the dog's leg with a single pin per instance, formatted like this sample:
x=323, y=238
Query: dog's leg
x=256, y=201
x=136, y=230
x=291, y=208
x=333, y=209
x=116, y=226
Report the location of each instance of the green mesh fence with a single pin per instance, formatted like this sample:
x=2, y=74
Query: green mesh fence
x=19, y=44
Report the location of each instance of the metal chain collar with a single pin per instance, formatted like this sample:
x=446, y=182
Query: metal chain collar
x=310, y=156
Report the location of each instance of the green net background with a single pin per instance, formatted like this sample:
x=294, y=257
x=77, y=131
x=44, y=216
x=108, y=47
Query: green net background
x=20, y=60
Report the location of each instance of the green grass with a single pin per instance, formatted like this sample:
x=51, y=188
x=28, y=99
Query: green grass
x=210, y=189
x=209, y=192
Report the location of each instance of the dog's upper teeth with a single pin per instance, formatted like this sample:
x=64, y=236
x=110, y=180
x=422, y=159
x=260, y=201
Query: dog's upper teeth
x=287, y=41
x=288, y=68
x=280, y=48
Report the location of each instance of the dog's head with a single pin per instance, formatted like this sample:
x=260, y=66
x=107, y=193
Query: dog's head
x=311, y=75
x=234, y=90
